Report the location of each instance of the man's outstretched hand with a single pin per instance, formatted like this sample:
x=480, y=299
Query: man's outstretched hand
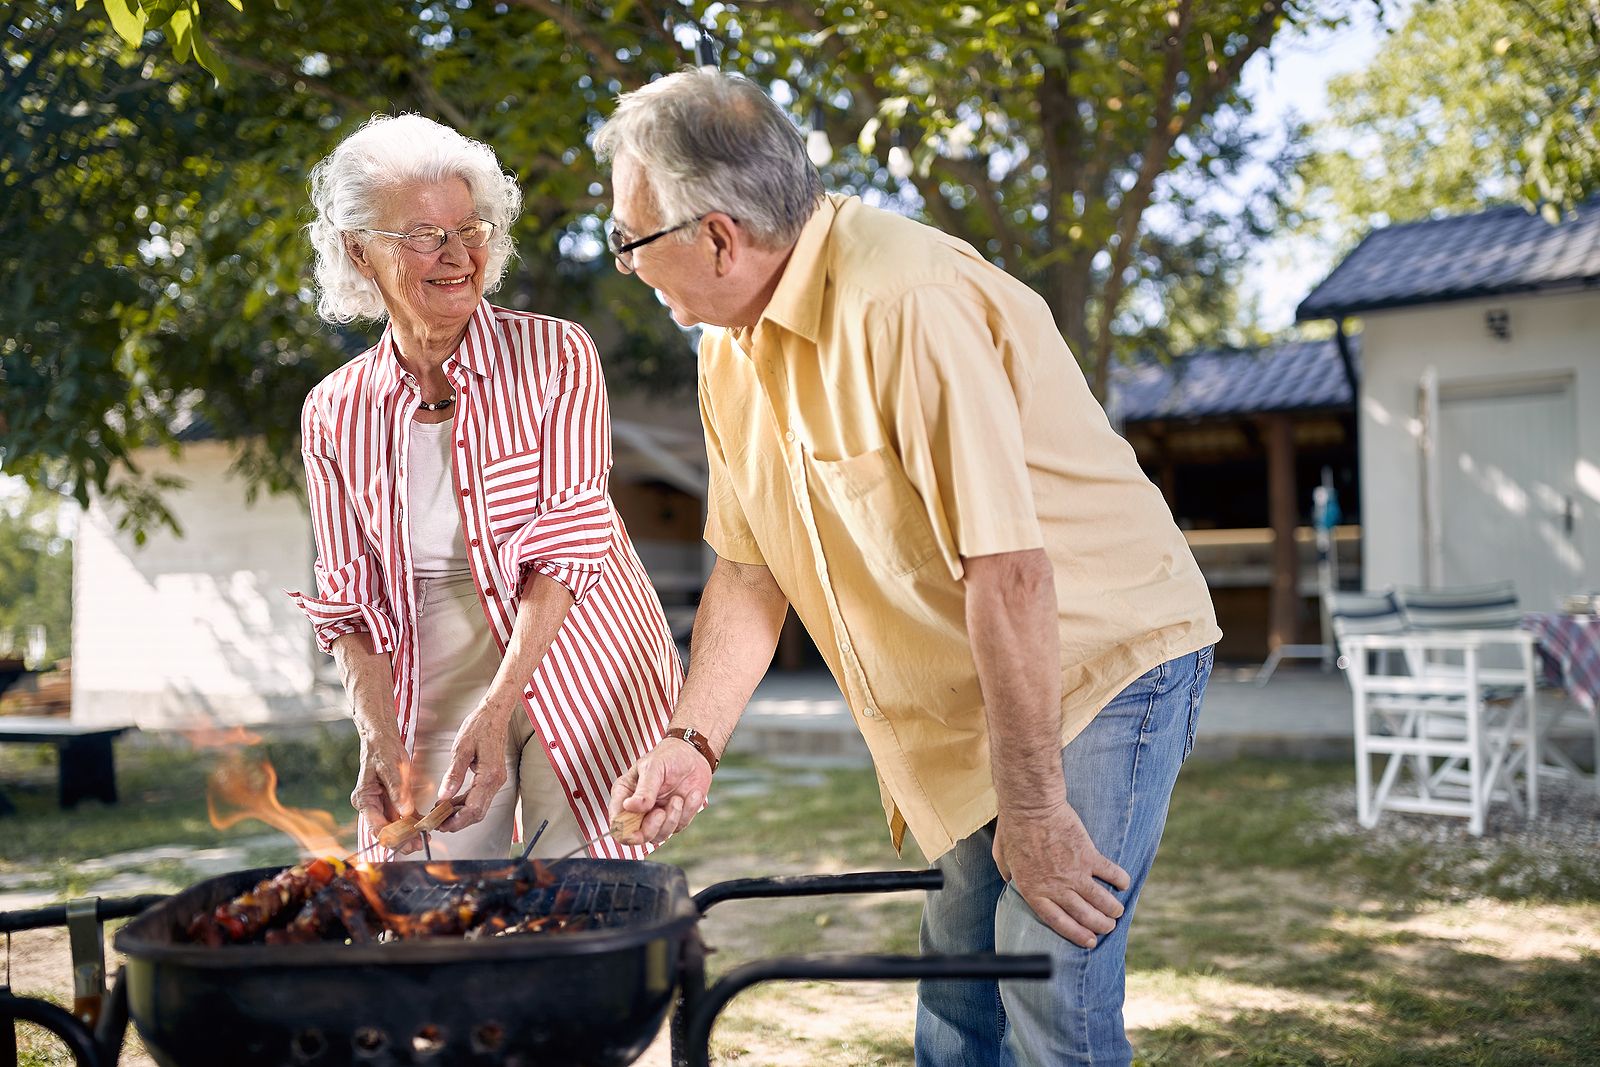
x=668, y=786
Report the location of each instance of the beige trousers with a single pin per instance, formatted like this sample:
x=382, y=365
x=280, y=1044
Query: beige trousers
x=458, y=660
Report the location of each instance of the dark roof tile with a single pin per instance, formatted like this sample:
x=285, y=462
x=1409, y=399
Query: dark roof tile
x=1297, y=376
x=1496, y=252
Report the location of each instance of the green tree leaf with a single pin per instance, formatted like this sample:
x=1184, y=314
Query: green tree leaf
x=126, y=19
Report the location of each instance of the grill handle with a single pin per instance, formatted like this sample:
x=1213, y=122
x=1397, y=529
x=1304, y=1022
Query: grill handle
x=815, y=885
x=56, y=914
x=846, y=968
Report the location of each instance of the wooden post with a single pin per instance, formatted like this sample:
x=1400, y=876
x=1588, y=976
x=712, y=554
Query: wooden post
x=1285, y=602
x=1166, y=469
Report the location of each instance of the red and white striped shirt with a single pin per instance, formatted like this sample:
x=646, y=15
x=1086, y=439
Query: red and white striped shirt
x=532, y=457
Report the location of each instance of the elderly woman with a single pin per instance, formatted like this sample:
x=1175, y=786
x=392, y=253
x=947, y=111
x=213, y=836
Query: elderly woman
x=496, y=633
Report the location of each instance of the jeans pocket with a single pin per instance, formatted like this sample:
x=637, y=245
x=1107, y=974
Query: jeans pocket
x=1203, y=662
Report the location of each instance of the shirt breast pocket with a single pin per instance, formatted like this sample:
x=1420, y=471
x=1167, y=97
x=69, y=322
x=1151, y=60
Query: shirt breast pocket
x=511, y=491
x=878, y=509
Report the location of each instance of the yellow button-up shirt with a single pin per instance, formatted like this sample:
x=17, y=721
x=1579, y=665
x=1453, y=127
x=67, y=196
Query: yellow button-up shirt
x=901, y=404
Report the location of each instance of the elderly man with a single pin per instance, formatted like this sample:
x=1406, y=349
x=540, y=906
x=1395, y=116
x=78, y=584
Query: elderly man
x=902, y=447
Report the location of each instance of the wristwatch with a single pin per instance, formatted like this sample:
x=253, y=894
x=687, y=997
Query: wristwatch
x=698, y=740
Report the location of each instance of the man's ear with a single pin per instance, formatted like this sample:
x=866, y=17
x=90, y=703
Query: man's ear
x=727, y=240
x=358, y=255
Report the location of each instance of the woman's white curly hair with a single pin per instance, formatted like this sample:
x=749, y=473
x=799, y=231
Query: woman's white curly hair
x=390, y=151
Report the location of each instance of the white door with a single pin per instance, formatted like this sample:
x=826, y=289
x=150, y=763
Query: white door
x=1506, y=464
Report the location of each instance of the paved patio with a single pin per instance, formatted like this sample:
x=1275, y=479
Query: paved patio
x=1301, y=712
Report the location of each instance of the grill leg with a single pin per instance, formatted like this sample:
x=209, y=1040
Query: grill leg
x=847, y=969
x=691, y=990
x=8, y=1033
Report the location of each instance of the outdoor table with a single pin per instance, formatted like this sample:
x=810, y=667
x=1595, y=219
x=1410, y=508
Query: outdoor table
x=86, y=768
x=1569, y=649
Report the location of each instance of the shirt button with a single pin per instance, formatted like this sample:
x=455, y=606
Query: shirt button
x=555, y=745
x=844, y=646
x=474, y=542
x=789, y=436
x=466, y=492
x=577, y=794
x=461, y=443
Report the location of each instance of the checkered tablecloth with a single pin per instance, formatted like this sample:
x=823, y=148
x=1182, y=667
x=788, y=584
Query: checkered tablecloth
x=1569, y=646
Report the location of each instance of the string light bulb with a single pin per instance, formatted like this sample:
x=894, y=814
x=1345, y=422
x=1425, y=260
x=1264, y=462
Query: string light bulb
x=818, y=149
x=705, y=51
x=899, y=159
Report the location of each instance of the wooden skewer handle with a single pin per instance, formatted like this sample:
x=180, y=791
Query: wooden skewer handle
x=398, y=832
x=405, y=828
x=441, y=811
x=625, y=826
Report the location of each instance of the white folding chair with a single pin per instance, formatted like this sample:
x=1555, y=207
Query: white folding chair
x=1456, y=732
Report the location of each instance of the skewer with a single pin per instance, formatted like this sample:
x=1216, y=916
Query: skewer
x=626, y=822
x=534, y=840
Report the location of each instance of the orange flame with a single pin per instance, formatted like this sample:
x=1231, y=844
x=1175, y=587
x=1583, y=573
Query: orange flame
x=443, y=871
x=369, y=878
x=241, y=788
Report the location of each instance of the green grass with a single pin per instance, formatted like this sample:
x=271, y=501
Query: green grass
x=1255, y=898
x=1266, y=815
x=162, y=791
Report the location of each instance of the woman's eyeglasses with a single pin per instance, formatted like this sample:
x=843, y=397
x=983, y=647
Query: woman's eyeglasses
x=432, y=238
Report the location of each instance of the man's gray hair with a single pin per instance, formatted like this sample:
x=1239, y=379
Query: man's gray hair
x=707, y=141
x=387, y=152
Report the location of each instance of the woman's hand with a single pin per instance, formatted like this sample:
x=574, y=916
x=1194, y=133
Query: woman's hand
x=668, y=787
x=383, y=784
x=480, y=747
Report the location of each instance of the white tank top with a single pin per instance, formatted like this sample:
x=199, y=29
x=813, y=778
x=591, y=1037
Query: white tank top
x=438, y=549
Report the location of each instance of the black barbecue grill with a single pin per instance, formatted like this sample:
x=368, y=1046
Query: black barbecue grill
x=592, y=995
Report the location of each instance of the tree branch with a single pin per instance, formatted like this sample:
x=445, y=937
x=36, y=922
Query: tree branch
x=16, y=85
x=577, y=31
x=865, y=104
x=436, y=100
x=1167, y=128
x=315, y=86
x=973, y=172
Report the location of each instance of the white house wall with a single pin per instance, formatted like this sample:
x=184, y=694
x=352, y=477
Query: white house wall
x=1549, y=334
x=195, y=630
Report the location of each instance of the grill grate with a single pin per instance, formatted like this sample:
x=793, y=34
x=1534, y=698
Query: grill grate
x=601, y=903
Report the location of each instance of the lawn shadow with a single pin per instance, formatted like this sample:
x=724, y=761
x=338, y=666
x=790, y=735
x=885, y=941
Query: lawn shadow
x=1443, y=1010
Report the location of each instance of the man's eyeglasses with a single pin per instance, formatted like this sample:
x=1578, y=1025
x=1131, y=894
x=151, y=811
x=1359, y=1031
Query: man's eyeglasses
x=622, y=243
x=432, y=238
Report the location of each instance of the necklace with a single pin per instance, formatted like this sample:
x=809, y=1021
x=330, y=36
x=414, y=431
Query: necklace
x=438, y=405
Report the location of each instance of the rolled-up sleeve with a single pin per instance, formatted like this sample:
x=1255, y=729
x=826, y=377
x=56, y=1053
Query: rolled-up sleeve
x=569, y=537
x=350, y=596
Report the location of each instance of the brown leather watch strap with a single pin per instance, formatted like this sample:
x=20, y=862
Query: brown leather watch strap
x=698, y=740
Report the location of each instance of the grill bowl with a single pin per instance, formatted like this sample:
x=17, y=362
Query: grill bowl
x=587, y=998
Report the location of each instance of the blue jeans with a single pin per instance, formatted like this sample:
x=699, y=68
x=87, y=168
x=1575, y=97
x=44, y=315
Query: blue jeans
x=1119, y=774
